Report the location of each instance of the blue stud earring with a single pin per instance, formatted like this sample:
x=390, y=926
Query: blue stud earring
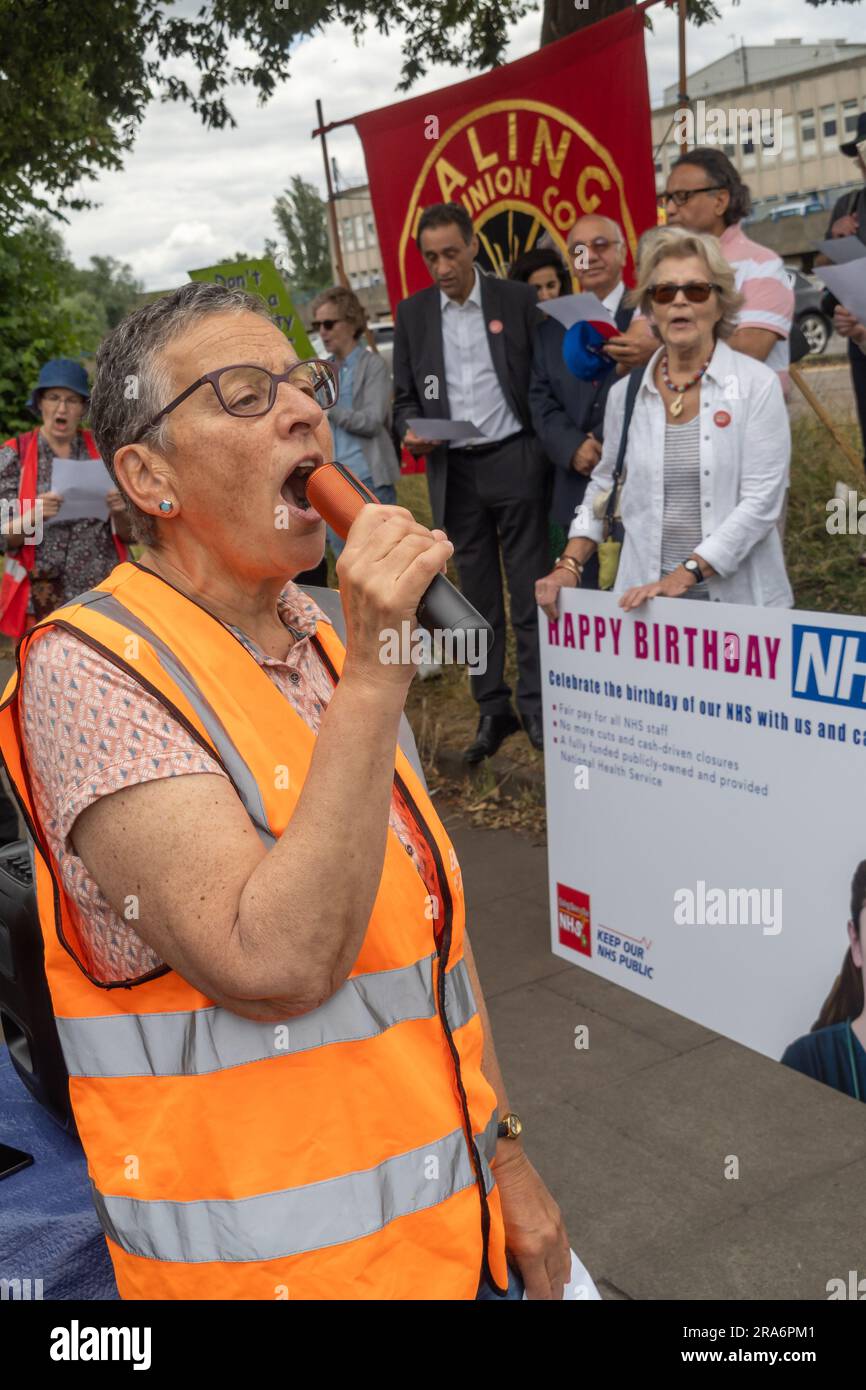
x=165, y=505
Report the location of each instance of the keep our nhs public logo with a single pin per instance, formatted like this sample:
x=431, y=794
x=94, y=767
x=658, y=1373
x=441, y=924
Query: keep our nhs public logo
x=829, y=664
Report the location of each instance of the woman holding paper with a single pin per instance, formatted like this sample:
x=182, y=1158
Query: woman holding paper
x=706, y=456
x=46, y=564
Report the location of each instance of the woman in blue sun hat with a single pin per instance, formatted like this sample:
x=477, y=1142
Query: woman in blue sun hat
x=72, y=556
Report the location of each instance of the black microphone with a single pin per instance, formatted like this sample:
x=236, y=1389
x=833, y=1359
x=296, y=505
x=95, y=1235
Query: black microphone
x=338, y=496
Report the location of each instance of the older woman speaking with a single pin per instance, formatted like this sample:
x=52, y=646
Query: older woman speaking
x=281, y=1065
x=707, y=454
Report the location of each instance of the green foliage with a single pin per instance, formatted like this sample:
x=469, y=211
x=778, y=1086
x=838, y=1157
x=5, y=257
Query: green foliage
x=302, y=220
x=76, y=79
x=34, y=324
x=50, y=308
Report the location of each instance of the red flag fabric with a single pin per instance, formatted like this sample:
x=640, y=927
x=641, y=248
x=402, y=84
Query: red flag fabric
x=526, y=148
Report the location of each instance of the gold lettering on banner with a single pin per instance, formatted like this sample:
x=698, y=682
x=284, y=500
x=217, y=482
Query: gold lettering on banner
x=520, y=168
x=477, y=195
x=543, y=141
x=449, y=179
x=590, y=201
x=482, y=161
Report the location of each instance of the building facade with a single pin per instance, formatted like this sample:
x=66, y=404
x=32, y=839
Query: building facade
x=359, y=243
x=802, y=101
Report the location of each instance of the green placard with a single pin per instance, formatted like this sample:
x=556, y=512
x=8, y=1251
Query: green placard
x=262, y=278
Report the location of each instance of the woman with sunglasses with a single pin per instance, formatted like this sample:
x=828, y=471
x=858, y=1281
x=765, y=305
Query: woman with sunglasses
x=361, y=420
x=707, y=453
x=253, y=918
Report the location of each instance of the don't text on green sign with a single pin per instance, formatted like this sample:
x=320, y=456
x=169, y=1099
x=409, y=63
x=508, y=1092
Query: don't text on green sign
x=262, y=278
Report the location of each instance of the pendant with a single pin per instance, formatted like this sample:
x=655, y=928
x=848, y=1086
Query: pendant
x=677, y=406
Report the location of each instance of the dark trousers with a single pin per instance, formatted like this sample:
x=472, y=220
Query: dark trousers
x=858, y=381
x=497, y=501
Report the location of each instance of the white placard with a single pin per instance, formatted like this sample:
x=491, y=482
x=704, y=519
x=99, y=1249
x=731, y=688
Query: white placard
x=84, y=485
x=842, y=249
x=848, y=284
x=705, y=767
x=575, y=308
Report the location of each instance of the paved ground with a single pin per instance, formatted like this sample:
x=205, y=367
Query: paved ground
x=632, y=1135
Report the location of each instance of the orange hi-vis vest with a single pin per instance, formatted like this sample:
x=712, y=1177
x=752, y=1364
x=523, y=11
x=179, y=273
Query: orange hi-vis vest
x=344, y=1153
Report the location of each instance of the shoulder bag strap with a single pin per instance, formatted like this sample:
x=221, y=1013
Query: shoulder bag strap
x=634, y=385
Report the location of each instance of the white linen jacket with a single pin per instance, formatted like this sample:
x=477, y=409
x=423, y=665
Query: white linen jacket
x=745, y=456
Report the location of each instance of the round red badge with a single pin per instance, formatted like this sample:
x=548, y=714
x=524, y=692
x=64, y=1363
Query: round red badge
x=722, y=418
x=495, y=325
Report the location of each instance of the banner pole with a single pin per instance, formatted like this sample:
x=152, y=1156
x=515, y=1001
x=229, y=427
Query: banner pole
x=682, y=95
x=332, y=215
x=332, y=210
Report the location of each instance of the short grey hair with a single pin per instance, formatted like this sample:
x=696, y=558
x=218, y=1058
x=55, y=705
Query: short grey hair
x=663, y=243
x=132, y=382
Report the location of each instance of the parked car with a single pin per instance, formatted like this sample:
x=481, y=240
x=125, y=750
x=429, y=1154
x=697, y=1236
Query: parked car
x=799, y=209
x=809, y=317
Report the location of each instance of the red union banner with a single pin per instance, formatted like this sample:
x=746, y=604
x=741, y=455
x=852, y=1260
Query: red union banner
x=526, y=148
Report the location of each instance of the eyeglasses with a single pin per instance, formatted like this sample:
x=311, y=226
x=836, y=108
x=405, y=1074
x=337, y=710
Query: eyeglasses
x=327, y=324
x=52, y=398
x=681, y=195
x=696, y=292
x=598, y=244
x=249, y=391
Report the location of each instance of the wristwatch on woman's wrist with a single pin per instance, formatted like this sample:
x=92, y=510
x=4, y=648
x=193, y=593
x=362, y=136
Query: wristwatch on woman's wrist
x=694, y=568
x=510, y=1126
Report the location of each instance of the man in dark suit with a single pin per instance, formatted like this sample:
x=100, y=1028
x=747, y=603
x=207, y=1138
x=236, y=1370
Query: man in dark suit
x=568, y=413
x=463, y=351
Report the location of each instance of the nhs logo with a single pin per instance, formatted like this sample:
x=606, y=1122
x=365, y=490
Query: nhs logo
x=829, y=664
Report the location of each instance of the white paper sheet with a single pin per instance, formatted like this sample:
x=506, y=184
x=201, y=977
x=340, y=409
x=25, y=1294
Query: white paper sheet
x=842, y=249
x=84, y=485
x=573, y=308
x=848, y=283
x=580, y=1287
x=444, y=429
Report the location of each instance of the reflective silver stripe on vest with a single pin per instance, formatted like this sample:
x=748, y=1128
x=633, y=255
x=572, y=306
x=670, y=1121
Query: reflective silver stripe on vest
x=237, y=769
x=199, y=1041
x=279, y=1224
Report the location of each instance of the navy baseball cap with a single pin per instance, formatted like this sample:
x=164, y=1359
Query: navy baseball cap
x=60, y=371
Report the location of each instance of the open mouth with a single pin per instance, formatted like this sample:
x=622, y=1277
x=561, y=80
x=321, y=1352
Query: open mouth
x=294, y=489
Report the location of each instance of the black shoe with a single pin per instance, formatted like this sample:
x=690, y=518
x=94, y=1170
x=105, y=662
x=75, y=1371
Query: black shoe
x=492, y=730
x=533, y=726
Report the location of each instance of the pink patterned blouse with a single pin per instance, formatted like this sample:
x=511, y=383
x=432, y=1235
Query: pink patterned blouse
x=90, y=729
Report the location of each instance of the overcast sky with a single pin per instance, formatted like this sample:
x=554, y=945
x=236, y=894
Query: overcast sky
x=187, y=196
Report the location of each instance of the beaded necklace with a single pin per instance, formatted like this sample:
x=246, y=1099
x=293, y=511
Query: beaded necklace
x=676, y=408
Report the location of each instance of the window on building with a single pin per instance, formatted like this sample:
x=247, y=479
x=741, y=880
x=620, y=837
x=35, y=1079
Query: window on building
x=749, y=160
x=371, y=229
x=359, y=231
x=807, y=134
x=849, y=118
x=348, y=234
x=789, y=139
x=769, y=147
x=829, y=128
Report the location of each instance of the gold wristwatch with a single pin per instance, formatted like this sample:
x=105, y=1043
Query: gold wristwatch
x=510, y=1126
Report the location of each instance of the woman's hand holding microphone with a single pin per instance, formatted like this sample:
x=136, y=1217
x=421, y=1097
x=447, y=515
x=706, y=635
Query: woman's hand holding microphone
x=387, y=565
